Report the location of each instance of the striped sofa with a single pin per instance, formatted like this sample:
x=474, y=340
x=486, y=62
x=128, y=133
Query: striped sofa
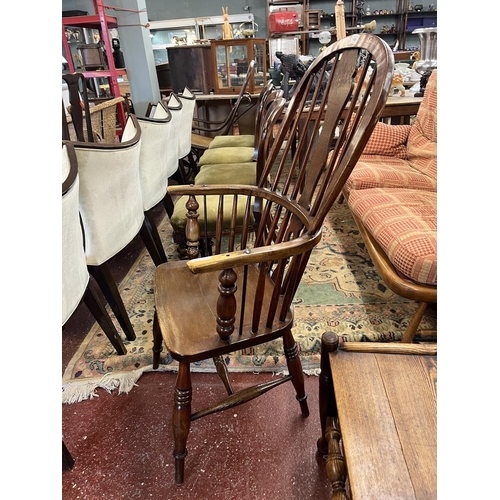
x=392, y=193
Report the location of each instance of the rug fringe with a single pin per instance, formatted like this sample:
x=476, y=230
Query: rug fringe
x=80, y=390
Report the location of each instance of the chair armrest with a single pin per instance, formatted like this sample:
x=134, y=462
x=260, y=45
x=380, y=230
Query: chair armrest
x=255, y=255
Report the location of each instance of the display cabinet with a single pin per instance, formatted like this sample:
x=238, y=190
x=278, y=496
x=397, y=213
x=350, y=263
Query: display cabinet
x=191, y=66
x=230, y=64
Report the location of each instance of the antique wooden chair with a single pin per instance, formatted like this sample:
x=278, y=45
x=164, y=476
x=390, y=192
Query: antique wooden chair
x=76, y=284
x=244, y=172
x=204, y=129
x=110, y=203
x=241, y=296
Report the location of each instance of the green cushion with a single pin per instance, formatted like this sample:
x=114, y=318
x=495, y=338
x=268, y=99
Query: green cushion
x=226, y=155
x=178, y=219
x=232, y=141
x=227, y=173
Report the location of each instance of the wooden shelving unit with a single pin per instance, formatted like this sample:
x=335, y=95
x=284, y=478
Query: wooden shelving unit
x=103, y=23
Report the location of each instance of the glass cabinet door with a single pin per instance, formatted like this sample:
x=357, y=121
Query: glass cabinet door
x=232, y=57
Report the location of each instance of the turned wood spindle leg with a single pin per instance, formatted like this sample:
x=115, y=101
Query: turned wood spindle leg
x=192, y=228
x=181, y=418
x=294, y=364
x=226, y=304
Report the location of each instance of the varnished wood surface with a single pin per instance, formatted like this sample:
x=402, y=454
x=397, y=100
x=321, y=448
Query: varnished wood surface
x=388, y=420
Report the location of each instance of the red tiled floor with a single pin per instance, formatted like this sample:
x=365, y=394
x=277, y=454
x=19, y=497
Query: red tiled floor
x=122, y=444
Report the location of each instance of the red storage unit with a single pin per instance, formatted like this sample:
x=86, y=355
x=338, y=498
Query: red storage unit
x=283, y=20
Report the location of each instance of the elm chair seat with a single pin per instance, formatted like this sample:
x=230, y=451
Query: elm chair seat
x=242, y=295
x=111, y=208
x=76, y=284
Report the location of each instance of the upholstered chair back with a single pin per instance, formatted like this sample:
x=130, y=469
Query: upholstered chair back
x=110, y=193
x=75, y=275
x=154, y=157
x=188, y=100
x=172, y=137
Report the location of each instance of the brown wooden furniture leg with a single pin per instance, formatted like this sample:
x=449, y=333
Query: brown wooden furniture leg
x=181, y=418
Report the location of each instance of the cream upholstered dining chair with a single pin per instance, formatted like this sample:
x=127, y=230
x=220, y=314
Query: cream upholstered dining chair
x=110, y=202
x=242, y=295
x=157, y=162
x=76, y=284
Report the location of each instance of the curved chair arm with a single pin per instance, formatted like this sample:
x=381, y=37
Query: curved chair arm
x=262, y=253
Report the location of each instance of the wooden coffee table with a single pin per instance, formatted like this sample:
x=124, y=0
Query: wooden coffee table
x=378, y=417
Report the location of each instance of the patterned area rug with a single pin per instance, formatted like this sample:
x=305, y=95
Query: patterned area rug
x=340, y=291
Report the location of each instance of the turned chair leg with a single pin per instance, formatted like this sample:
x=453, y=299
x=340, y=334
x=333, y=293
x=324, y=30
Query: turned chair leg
x=294, y=364
x=102, y=274
x=223, y=373
x=181, y=418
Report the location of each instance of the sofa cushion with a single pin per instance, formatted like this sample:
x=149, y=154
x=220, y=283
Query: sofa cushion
x=388, y=140
x=227, y=173
x=226, y=155
x=233, y=141
x=388, y=172
x=404, y=223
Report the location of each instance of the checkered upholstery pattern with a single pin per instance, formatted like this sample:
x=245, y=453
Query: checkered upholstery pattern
x=401, y=155
x=388, y=140
x=404, y=223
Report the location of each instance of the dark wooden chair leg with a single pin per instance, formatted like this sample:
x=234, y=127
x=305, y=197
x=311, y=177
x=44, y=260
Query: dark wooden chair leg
x=67, y=460
x=155, y=235
x=157, y=342
x=223, y=373
x=295, y=369
x=181, y=418
x=99, y=312
x=168, y=204
x=329, y=343
x=150, y=244
x=102, y=274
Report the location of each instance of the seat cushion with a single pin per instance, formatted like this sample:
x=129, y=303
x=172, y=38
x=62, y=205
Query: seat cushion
x=233, y=141
x=404, y=223
x=226, y=155
x=178, y=219
x=227, y=173
x=387, y=172
x=388, y=140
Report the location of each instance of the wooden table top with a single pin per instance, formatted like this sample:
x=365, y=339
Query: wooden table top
x=388, y=420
